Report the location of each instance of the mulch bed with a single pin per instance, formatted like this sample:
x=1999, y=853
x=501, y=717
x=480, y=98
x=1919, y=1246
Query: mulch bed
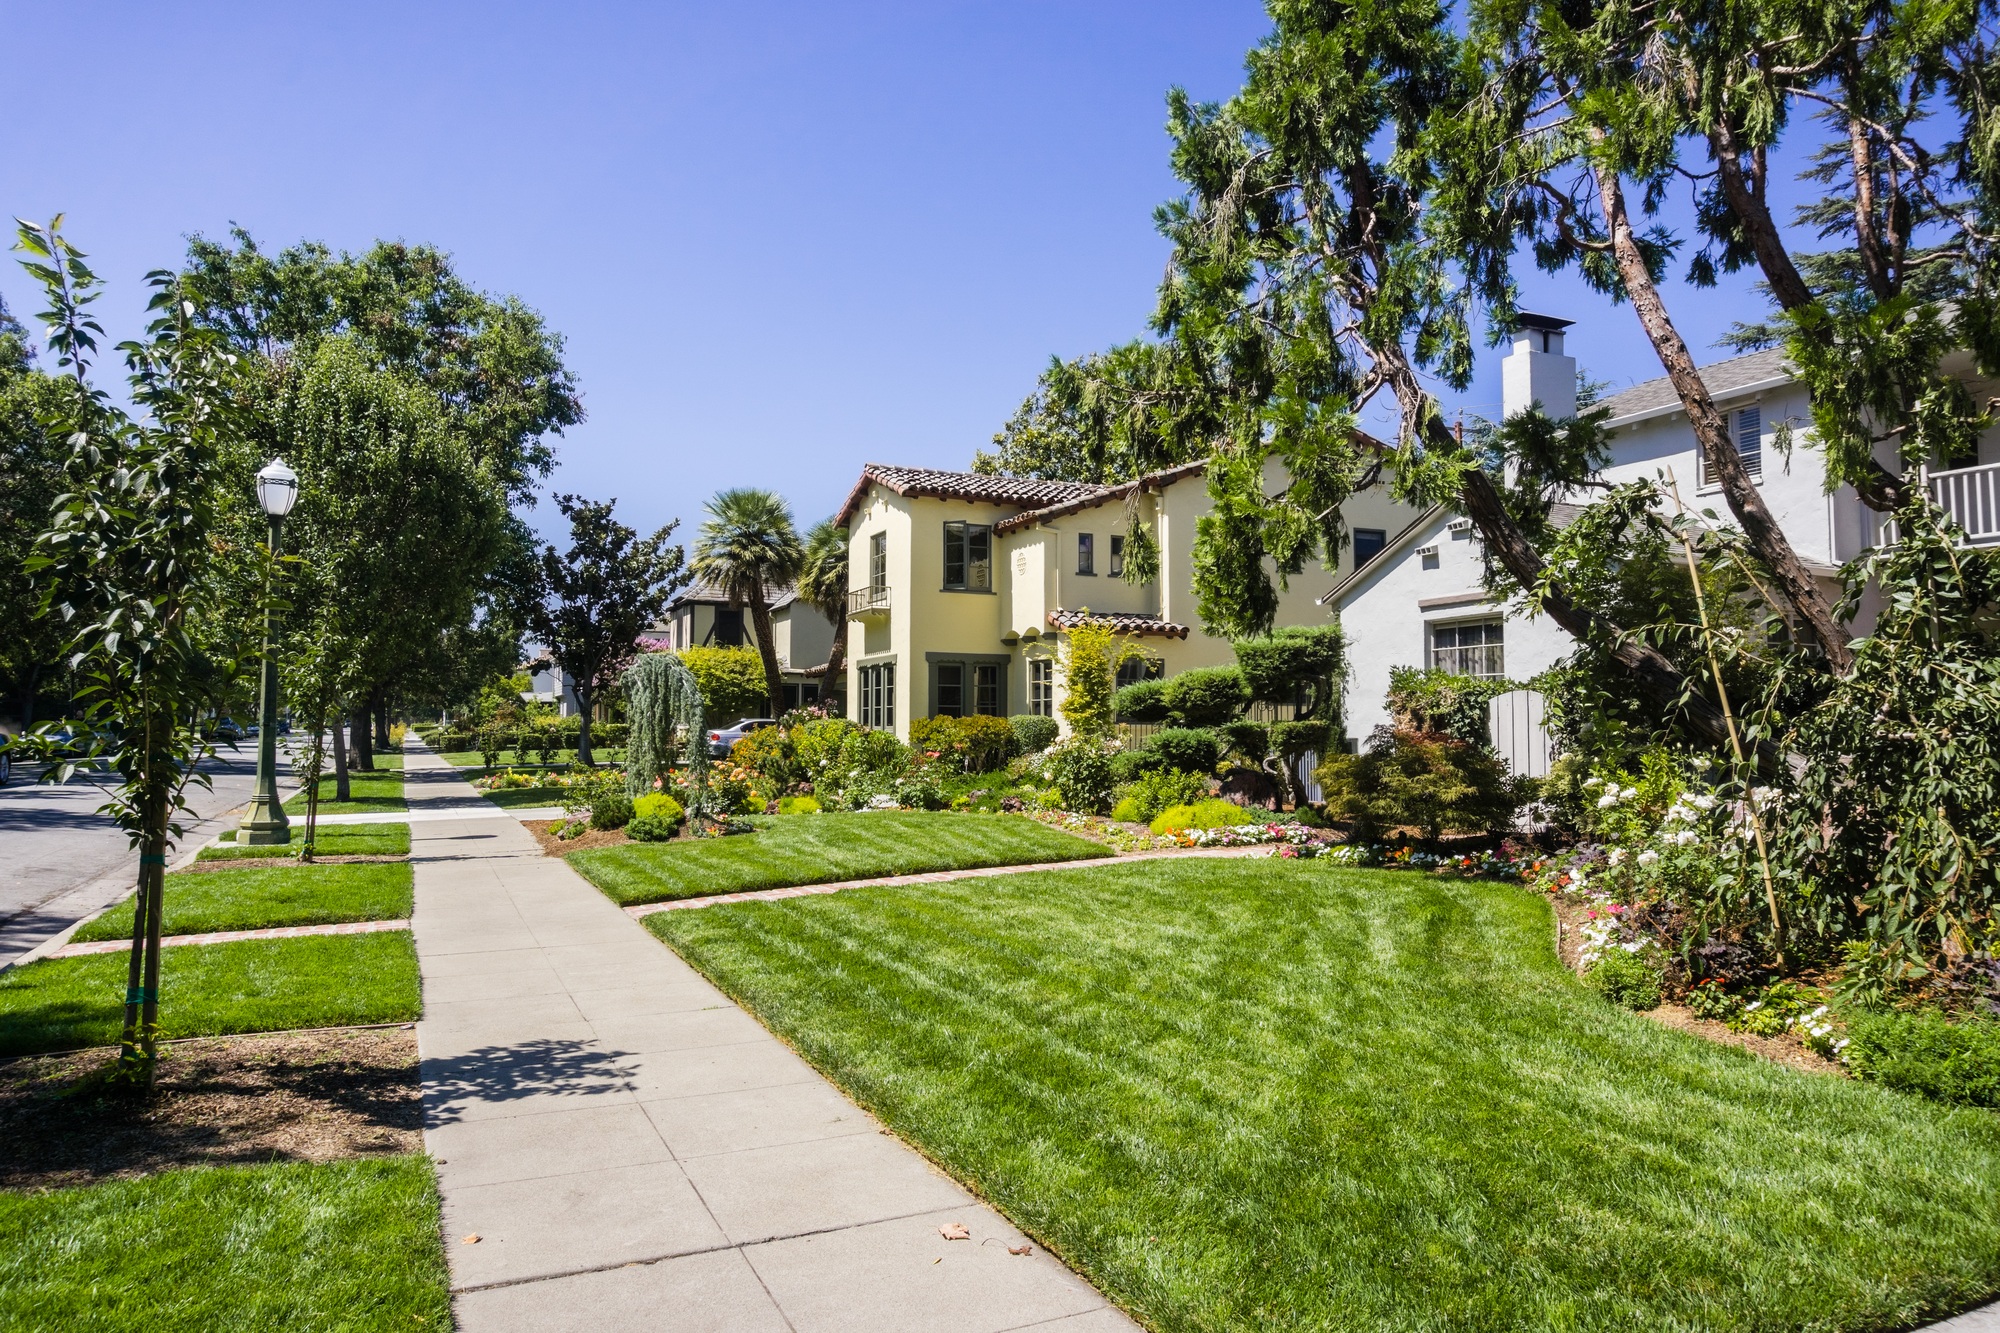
x=554, y=846
x=284, y=1096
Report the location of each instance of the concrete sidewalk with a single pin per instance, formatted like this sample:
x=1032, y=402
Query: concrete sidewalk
x=633, y=1151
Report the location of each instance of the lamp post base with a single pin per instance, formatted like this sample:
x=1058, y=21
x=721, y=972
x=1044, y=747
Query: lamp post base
x=265, y=825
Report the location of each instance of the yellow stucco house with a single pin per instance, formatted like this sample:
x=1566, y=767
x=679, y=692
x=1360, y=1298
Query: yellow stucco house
x=961, y=585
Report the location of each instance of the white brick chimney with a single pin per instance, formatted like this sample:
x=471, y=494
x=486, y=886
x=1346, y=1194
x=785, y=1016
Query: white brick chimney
x=1536, y=371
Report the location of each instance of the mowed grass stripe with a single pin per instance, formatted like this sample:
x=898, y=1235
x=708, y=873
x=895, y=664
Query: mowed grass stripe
x=1280, y=1095
x=294, y=1245
x=215, y=989
x=197, y=902
x=368, y=793
x=824, y=849
x=328, y=840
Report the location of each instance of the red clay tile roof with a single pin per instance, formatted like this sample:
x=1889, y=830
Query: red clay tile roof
x=1152, y=481
x=1026, y=492
x=1123, y=623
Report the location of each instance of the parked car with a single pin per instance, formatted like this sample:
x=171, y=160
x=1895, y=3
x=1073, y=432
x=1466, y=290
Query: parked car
x=225, y=729
x=6, y=759
x=721, y=742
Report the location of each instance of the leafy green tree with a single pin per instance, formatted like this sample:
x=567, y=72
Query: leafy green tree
x=823, y=575
x=594, y=599
x=131, y=563
x=731, y=681
x=1091, y=654
x=748, y=546
x=32, y=459
x=1103, y=418
x=1296, y=664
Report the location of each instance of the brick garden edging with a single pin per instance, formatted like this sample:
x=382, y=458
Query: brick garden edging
x=231, y=936
x=643, y=910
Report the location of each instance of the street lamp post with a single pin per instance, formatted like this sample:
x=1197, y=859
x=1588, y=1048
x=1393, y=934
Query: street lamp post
x=266, y=825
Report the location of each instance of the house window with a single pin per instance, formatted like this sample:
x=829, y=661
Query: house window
x=1368, y=543
x=1041, y=687
x=878, y=562
x=1749, y=435
x=1470, y=649
x=1086, y=553
x=878, y=695
x=1135, y=669
x=727, y=630
x=965, y=689
x=1117, y=557
x=968, y=557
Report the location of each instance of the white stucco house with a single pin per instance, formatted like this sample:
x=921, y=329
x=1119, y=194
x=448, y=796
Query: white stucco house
x=1421, y=601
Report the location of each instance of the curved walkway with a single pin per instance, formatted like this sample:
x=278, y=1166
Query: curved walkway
x=621, y=1147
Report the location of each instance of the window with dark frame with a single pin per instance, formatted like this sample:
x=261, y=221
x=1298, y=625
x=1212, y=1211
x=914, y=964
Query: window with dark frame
x=1135, y=669
x=986, y=701
x=878, y=695
x=967, y=689
x=1117, y=556
x=950, y=701
x=968, y=557
x=1474, y=648
x=878, y=562
x=1041, y=687
x=1368, y=543
x=1086, y=553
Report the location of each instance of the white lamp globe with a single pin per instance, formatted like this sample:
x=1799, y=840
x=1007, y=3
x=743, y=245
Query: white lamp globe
x=277, y=488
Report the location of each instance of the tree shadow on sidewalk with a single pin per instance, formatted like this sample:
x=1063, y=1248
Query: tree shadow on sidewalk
x=492, y=1075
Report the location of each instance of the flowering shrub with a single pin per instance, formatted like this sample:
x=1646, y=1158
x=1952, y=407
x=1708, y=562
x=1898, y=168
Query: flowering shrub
x=1473, y=865
x=1626, y=978
x=1080, y=769
x=508, y=780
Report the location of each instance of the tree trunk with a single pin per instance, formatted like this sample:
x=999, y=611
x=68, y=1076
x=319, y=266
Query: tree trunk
x=342, y=789
x=767, y=648
x=364, y=752
x=1879, y=488
x=1711, y=432
x=584, y=703
x=315, y=765
x=138, y=1043
x=28, y=692
x=830, y=685
x=382, y=723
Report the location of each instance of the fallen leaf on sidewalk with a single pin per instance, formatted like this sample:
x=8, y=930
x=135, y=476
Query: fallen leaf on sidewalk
x=954, y=1231
x=1020, y=1249
x=473, y=1239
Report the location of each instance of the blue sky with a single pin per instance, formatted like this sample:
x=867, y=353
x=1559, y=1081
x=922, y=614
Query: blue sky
x=781, y=240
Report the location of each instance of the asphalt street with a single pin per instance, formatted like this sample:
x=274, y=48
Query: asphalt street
x=60, y=860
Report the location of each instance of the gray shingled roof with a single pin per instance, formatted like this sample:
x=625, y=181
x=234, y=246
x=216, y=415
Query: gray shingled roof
x=1722, y=378
x=701, y=590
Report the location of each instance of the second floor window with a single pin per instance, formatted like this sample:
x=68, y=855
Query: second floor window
x=1041, y=687
x=1086, y=553
x=878, y=562
x=968, y=557
x=1749, y=437
x=1368, y=543
x=1117, y=557
x=1472, y=649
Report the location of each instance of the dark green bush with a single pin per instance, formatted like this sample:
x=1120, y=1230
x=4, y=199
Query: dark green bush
x=1033, y=732
x=1294, y=739
x=1927, y=1054
x=1131, y=765
x=1188, y=749
x=1292, y=662
x=1081, y=771
x=1142, y=701
x=651, y=828
x=1207, y=696
x=1625, y=978
x=610, y=809
x=1251, y=740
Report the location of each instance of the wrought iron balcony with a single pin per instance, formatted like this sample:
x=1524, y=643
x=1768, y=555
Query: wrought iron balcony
x=867, y=603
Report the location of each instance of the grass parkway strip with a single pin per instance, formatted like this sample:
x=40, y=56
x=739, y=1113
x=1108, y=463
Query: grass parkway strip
x=256, y=897
x=74, y=950
x=1280, y=1095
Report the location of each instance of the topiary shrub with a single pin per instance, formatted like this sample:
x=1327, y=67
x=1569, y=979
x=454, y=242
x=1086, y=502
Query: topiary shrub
x=1033, y=732
x=1131, y=765
x=1295, y=661
x=1201, y=815
x=1142, y=701
x=1186, y=748
x=1625, y=979
x=1207, y=697
x=1250, y=740
x=1080, y=768
x=1927, y=1054
x=655, y=818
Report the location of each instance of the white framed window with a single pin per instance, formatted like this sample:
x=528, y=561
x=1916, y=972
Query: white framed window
x=1470, y=648
x=1747, y=430
x=1041, y=687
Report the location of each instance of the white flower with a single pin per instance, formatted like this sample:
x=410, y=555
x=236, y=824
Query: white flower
x=1628, y=793
x=1617, y=855
x=1606, y=801
x=1684, y=837
x=1648, y=856
x=1702, y=802
x=1593, y=782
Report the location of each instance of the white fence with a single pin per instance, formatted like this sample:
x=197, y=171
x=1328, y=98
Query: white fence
x=1517, y=722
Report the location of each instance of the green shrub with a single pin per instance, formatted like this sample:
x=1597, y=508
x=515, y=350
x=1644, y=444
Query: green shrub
x=1080, y=768
x=1294, y=660
x=1142, y=701
x=1927, y=1054
x=797, y=805
x=1207, y=696
x=1211, y=813
x=934, y=734
x=652, y=828
x=985, y=743
x=731, y=681
x=919, y=793
x=1033, y=732
x=1251, y=740
x=1428, y=782
x=1293, y=740
x=1186, y=748
x=1162, y=790
x=1130, y=765
x=610, y=809
x=658, y=805
x=1425, y=699
x=1626, y=979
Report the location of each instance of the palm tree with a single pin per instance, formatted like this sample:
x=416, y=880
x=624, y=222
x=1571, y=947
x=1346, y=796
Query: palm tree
x=823, y=583
x=747, y=546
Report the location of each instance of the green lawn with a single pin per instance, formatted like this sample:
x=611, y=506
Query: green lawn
x=819, y=849
x=62, y=1004
x=258, y=896
x=333, y=840
x=523, y=798
x=1257, y=1094
x=295, y=1245
x=373, y=793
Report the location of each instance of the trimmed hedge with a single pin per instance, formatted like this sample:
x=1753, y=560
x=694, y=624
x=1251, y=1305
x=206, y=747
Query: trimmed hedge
x=1928, y=1054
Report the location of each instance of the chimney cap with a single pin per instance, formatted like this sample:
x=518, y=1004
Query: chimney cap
x=1524, y=319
